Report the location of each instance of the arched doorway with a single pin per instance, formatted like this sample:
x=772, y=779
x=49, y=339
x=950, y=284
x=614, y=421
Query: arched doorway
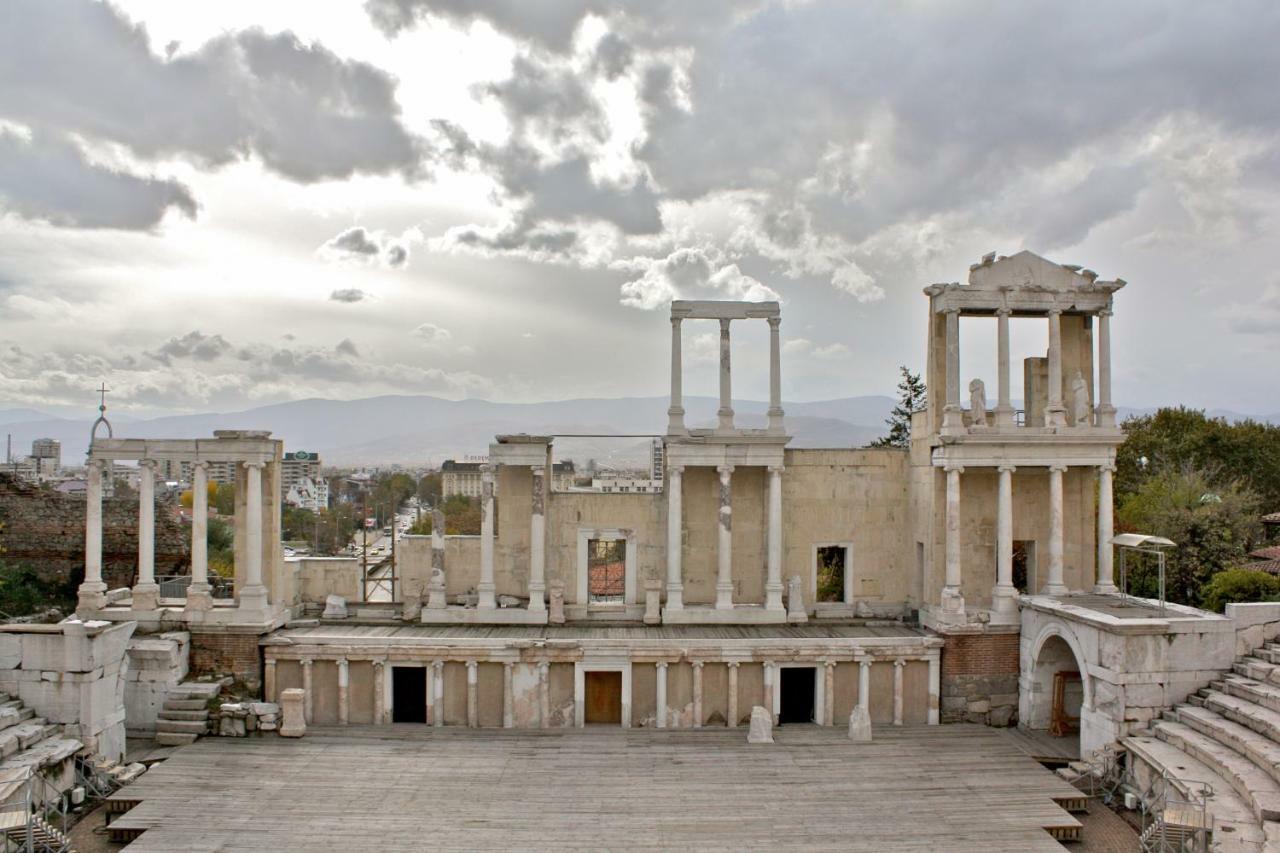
x=1058, y=687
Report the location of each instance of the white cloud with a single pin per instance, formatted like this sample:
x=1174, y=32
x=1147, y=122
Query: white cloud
x=432, y=334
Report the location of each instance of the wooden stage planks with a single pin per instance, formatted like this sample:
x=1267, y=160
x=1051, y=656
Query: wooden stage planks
x=407, y=787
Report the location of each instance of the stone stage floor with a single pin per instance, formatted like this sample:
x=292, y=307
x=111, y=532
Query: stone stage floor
x=402, y=787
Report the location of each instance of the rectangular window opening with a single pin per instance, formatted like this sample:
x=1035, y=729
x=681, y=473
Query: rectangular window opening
x=831, y=573
x=1024, y=565
x=606, y=570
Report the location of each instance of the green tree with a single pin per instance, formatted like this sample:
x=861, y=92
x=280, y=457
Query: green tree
x=1212, y=521
x=429, y=488
x=912, y=397
x=1236, y=585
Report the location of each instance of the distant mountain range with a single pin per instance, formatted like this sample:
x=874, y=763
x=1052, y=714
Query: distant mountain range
x=416, y=430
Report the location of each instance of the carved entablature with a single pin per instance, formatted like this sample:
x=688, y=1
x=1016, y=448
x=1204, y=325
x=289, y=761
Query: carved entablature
x=1024, y=284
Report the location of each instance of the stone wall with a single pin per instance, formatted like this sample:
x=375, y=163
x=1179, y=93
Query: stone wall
x=980, y=677
x=157, y=662
x=44, y=529
x=227, y=651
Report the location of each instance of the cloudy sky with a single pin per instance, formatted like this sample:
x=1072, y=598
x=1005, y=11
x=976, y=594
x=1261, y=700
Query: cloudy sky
x=219, y=205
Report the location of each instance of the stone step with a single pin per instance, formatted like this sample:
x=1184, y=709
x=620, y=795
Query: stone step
x=175, y=738
x=202, y=690
x=201, y=716
x=185, y=705
x=24, y=735
x=1256, y=691
x=1270, y=653
x=1262, y=751
x=1235, y=826
x=46, y=753
x=12, y=713
x=1247, y=779
x=1258, y=669
x=1262, y=720
x=194, y=727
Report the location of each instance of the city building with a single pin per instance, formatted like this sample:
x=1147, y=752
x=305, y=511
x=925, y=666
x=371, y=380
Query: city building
x=460, y=478
x=625, y=485
x=299, y=465
x=309, y=494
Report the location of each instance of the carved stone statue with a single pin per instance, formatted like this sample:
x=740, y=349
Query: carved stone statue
x=978, y=402
x=1080, y=413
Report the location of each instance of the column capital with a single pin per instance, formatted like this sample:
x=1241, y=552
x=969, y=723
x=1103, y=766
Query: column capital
x=472, y=664
x=899, y=662
x=1004, y=311
x=724, y=325
x=1006, y=467
x=768, y=664
x=258, y=465
x=1106, y=312
x=487, y=469
x=774, y=322
x=437, y=665
x=1109, y=467
x=662, y=664
x=675, y=321
x=829, y=664
x=675, y=470
x=733, y=664
x=538, y=470
x=865, y=662
x=149, y=464
x=1058, y=467
x=306, y=661
x=955, y=311
x=340, y=661
x=951, y=467
x=696, y=664
x=200, y=464
x=379, y=662
x=777, y=469
x=1054, y=312
x=544, y=667
x=724, y=470
x=507, y=664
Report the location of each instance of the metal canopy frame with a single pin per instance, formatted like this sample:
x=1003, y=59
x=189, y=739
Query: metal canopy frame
x=1141, y=543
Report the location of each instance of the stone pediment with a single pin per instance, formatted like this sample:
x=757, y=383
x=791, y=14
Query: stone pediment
x=1028, y=271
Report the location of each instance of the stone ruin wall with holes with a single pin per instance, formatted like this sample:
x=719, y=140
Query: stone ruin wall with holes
x=44, y=529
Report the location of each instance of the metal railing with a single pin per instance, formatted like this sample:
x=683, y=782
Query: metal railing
x=35, y=820
x=1176, y=821
x=175, y=586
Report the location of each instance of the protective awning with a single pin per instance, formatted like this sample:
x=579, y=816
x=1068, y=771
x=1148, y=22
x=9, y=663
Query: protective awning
x=1138, y=540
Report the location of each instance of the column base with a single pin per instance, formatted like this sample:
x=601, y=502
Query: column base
x=675, y=597
x=775, y=421
x=436, y=598
x=1005, y=416
x=199, y=597
x=253, y=600
x=485, y=598
x=1054, y=589
x=1106, y=589
x=952, y=419
x=537, y=597
x=1055, y=416
x=952, y=605
x=773, y=597
x=1107, y=416
x=91, y=597
x=1004, y=605
x=675, y=421
x=146, y=596
x=724, y=596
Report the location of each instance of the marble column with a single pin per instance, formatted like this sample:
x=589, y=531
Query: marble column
x=1055, y=584
x=437, y=586
x=864, y=684
x=254, y=594
x=379, y=692
x=935, y=687
x=660, y=703
x=508, y=696
x=775, y=377
x=952, y=597
x=1004, y=405
x=697, y=693
x=1106, y=411
x=429, y=709
x=473, y=689
x=770, y=678
x=308, y=697
x=485, y=588
x=724, y=550
x=675, y=537
x=544, y=695
x=675, y=413
x=1055, y=413
x=898, y=666
x=538, y=542
x=828, y=692
x=732, y=715
x=91, y=592
x=773, y=576
x=725, y=413
x=1106, y=582
x=344, y=691
x=437, y=709
x=199, y=595
x=1004, y=596
x=952, y=414
x=269, y=680
x=146, y=592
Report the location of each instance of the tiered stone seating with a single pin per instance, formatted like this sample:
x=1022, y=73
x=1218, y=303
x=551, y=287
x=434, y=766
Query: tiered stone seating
x=1228, y=735
x=30, y=741
x=185, y=714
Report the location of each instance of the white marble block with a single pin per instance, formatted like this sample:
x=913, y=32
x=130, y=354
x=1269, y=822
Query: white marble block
x=860, y=725
x=291, y=706
x=761, y=730
x=335, y=607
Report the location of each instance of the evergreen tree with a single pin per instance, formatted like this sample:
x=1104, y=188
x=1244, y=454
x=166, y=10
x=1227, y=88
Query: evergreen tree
x=911, y=399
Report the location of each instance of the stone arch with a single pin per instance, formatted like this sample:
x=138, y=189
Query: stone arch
x=1055, y=649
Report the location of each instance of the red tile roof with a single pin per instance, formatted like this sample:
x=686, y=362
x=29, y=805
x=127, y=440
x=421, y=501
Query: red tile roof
x=1271, y=567
x=1271, y=552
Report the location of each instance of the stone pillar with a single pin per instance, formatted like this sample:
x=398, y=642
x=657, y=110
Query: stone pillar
x=308, y=698
x=697, y=693
x=864, y=684
x=199, y=595
x=952, y=597
x=675, y=413
x=437, y=702
x=1004, y=405
x=726, y=393
x=1055, y=413
x=898, y=666
x=1004, y=596
x=508, y=696
x=379, y=691
x=91, y=591
x=473, y=689
x=1106, y=411
x=544, y=695
x=732, y=714
x=1055, y=584
x=770, y=674
x=724, y=551
x=254, y=594
x=538, y=542
x=773, y=580
x=935, y=687
x=437, y=586
x=660, y=704
x=269, y=680
x=828, y=692
x=952, y=415
x=485, y=588
x=429, y=710
x=146, y=592
x=344, y=692
x=1106, y=581
x=775, y=377
x=675, y=537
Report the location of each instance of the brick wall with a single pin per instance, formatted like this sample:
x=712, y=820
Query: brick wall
x=227, y=653
x=44, y=529
x=980, y=678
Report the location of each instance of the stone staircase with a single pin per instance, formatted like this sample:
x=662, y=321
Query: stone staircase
x=185, y=713
x=1226, y=735
x=28, y=741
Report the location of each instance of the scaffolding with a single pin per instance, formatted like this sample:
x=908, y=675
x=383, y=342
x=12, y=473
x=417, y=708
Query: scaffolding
x=1139, y=544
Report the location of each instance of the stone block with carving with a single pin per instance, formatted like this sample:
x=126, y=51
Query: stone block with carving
x=335, y=607
x=291, y=707
x=761, y=730
x=860, y=725
x=556, y=603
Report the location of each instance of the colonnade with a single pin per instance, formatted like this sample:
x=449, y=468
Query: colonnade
x=725, y=414
x=485, y=589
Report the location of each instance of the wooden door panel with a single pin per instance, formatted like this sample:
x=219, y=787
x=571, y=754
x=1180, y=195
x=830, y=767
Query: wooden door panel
x=603, y=697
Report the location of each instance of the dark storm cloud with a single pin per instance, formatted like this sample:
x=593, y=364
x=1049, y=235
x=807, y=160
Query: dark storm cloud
x=360, y=245
x=348, y=295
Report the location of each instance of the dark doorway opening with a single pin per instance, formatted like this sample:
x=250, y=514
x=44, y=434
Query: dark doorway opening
x=603, y=697
x=1024, y=565
x=408, y=694
x=795, y=702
